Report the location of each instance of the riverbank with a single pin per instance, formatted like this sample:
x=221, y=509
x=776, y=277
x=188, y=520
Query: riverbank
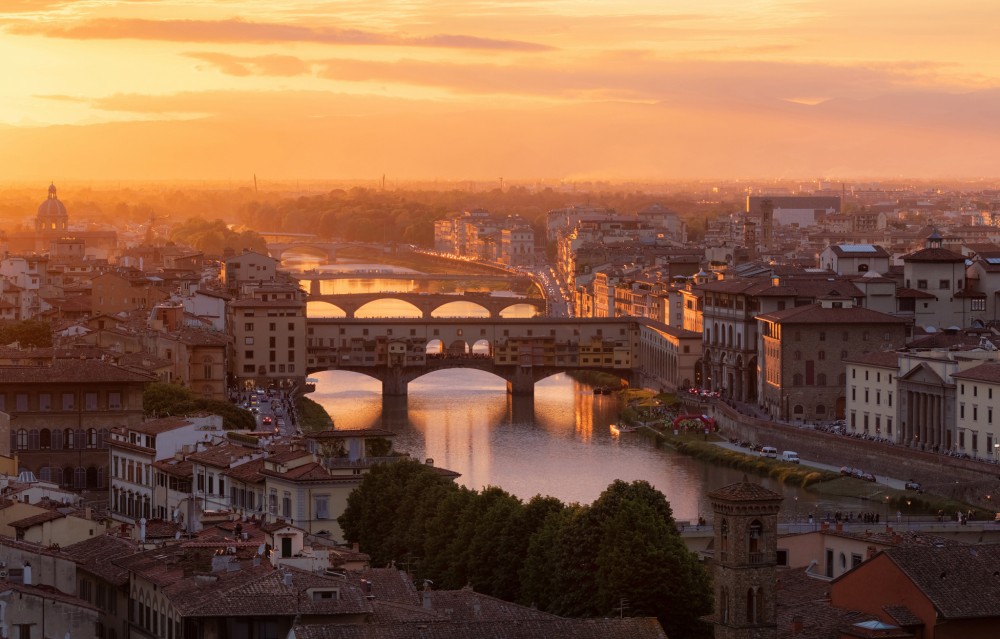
x=883, y=498
x=313, y=418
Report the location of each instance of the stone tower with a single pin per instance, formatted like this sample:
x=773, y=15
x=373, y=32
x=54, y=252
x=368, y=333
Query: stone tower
x=746, y=530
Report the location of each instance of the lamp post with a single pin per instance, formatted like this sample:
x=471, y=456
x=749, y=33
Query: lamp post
x=887, y=512
x=996, y=451
x=908, y=521
x=795, y=512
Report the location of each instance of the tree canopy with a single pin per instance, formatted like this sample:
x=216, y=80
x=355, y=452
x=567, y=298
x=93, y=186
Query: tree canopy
x=26, y=333
x=160, y=400
x=622, y=551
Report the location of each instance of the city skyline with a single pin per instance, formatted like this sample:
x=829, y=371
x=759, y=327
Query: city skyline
x=475, y=90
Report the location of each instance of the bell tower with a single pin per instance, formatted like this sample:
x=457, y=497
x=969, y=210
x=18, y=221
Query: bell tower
x=746, y=528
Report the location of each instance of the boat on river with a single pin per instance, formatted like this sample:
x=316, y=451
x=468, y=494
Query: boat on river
x=623, y=428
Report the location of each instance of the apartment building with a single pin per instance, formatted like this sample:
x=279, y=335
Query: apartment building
x=872, y=403
x=269, y=337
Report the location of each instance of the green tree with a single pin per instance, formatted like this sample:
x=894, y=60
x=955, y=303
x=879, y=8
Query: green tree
x=160, y=400
x=27, y=333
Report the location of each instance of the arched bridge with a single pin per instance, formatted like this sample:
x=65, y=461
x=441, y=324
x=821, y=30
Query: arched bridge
x=277, y=250
x=427, y=303
x=521, y=351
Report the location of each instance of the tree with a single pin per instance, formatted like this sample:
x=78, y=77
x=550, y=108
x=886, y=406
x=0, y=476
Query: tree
x=160, y=400
x=27, y=333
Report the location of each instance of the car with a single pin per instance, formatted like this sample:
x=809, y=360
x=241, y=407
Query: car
x=913, y=485
x=267, y=419
x=846, y=470
x=254, y=410
x=868, y=477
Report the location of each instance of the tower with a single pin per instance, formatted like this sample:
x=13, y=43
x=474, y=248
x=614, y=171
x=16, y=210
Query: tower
x=766, y=238
x=746, y=530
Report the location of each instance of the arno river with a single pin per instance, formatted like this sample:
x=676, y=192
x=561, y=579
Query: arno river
x=560, y=444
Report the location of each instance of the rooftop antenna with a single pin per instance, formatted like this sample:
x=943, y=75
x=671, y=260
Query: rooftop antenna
x=254, y=182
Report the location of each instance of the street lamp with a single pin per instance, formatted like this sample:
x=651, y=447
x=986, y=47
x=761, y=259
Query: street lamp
x=887, y=511
x=907, y=513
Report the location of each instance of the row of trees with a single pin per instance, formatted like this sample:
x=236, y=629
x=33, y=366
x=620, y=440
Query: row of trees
x=160, y=400
x=26, y=333
x=215, y=237
x=620, y=555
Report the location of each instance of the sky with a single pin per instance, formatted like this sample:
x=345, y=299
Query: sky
x=652, y=90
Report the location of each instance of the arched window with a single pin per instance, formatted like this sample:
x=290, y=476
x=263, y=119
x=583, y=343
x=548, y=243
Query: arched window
x=821, y=409
x=45, y=473
x=22, y=439
x=724, y=537
x=751, y=605
x=68, y=439
x=79, y=478
x=755, y=538
x=862, y=268
x=33, y=439
x=724, y=604
x=843, y=355
x=821, y=355
x=797, y=379
x=842, y=379
x=57, y=439
x=92, y=438
x=798, y=409
x=729, y=342
x=45, y=439
x=57, y=475
x=101, y=472
x=821, y=379
x=102, y=438
x=91, y=477
x=67, y=476
x=797, y=355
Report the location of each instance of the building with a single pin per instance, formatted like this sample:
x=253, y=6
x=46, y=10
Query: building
x=802, y=210
x=851, y=259
x=269, y=338
x=978, y=399
x=871, y=388
x=247, y=271
x=937, y=592
x=52, y=225
x=940, y=273
x=135, y=448
x=63, y=411
x=803, y=374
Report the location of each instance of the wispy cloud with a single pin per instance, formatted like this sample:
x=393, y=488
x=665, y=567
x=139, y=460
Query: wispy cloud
x=237, y=31
x=270, y=65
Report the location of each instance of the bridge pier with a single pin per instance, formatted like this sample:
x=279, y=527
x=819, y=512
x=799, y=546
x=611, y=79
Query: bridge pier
x=522, y=383
x=315, y=288
x=394, y=384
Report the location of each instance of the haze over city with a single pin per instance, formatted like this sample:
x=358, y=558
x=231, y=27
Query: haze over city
x=552, y=89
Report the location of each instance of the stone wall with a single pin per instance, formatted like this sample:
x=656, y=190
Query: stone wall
x=960, y=478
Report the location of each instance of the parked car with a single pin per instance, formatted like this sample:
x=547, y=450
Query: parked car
x=790, y=456
x=267, y=419
x=913, y=485
x=868, y=477
x=769, y=451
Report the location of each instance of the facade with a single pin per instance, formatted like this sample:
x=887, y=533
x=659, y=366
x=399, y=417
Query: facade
x=669, y=357
x=803, y=374
x=248, y=270
x=852, y=259
x=63, y=412
x=940, y=272
x=269, y=338
x=871, y=390
x=134, y=450
x=978, y=399
x=746, y=526
x=946, y=592
x=517, y=245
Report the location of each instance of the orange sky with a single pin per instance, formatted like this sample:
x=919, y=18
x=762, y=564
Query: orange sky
x=476, y=89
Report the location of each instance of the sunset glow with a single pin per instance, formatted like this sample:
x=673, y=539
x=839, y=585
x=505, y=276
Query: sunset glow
x=565, y=89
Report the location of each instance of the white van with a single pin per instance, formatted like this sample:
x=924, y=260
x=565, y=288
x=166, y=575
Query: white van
x=769, y=451
x=790, y=456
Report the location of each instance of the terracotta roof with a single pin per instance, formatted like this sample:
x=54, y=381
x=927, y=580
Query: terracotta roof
x=313, y=471
x=267, y=304
x=222, y=455
x=248, y=473
x=48, y=592
x=882, y=359
x=934, y=255
x=96, y=555
x=626, y=628
x=806, y=599
x=162, y=425
x=903, y=615
x=34, y=520
x=960, y=581
x=177, y=468
x=62, y=371
x=904, y=293
x=816, y=314
x=986, y=372
x=744, y=491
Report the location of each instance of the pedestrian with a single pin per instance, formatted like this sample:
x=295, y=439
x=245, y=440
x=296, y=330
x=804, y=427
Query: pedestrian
x=899, y=517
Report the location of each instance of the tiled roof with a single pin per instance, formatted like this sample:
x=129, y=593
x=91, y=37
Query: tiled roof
x=48, y=592
x=934, y=255
x=744, y=491
x=626, y=628
x=903, y=615
x=803, y=598
x=62, y=371
x=248, y=473
x=960, y=581
x=34, y=520
x=177, y=468
x=904, y=293
x=96, y=555
x=816, y=314
x=986, y=372
x=222, y=455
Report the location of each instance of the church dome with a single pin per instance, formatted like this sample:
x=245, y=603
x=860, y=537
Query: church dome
x=51, y=207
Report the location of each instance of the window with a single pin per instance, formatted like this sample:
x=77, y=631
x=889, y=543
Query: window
x=978, y=304
x=286, y=505
x=21, y=402
x=322, y=507
x=248, y=341
x=248, y=354
x=944, y=284
x=90, y=401
x=114, y=400
x=45, y=401
x=922, y=284
x=822, y=336
x=248, y=326
x=68, y=401
x=821, y=355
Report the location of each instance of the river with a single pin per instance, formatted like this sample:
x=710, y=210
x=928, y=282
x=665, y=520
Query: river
x=560, y=444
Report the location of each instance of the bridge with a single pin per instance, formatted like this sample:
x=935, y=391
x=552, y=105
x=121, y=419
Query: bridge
x=316, y=279
x=427, y=303
x=521, y=351
x=327, y=249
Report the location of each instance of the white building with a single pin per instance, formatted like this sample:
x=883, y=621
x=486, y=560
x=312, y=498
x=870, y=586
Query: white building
x=871, y=390
x=134, y=450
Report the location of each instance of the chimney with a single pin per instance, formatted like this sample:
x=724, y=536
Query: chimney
x=825, y=526
x=88, y=513
x=427, y=600
x=796, y=625
x=840, y=526
x=27, y=574
x=286, y=578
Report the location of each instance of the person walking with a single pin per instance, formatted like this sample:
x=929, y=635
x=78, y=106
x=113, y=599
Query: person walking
x=899, y=517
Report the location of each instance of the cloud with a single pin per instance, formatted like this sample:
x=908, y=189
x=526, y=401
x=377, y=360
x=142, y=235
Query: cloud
x=270, y=65
x=236, y=31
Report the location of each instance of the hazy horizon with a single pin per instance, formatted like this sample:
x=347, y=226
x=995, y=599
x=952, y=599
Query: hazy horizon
x=646, y=91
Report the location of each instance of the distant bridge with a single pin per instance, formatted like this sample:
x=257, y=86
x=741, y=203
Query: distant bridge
x=521, y=351
x=427, y=303
x=329, y=250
